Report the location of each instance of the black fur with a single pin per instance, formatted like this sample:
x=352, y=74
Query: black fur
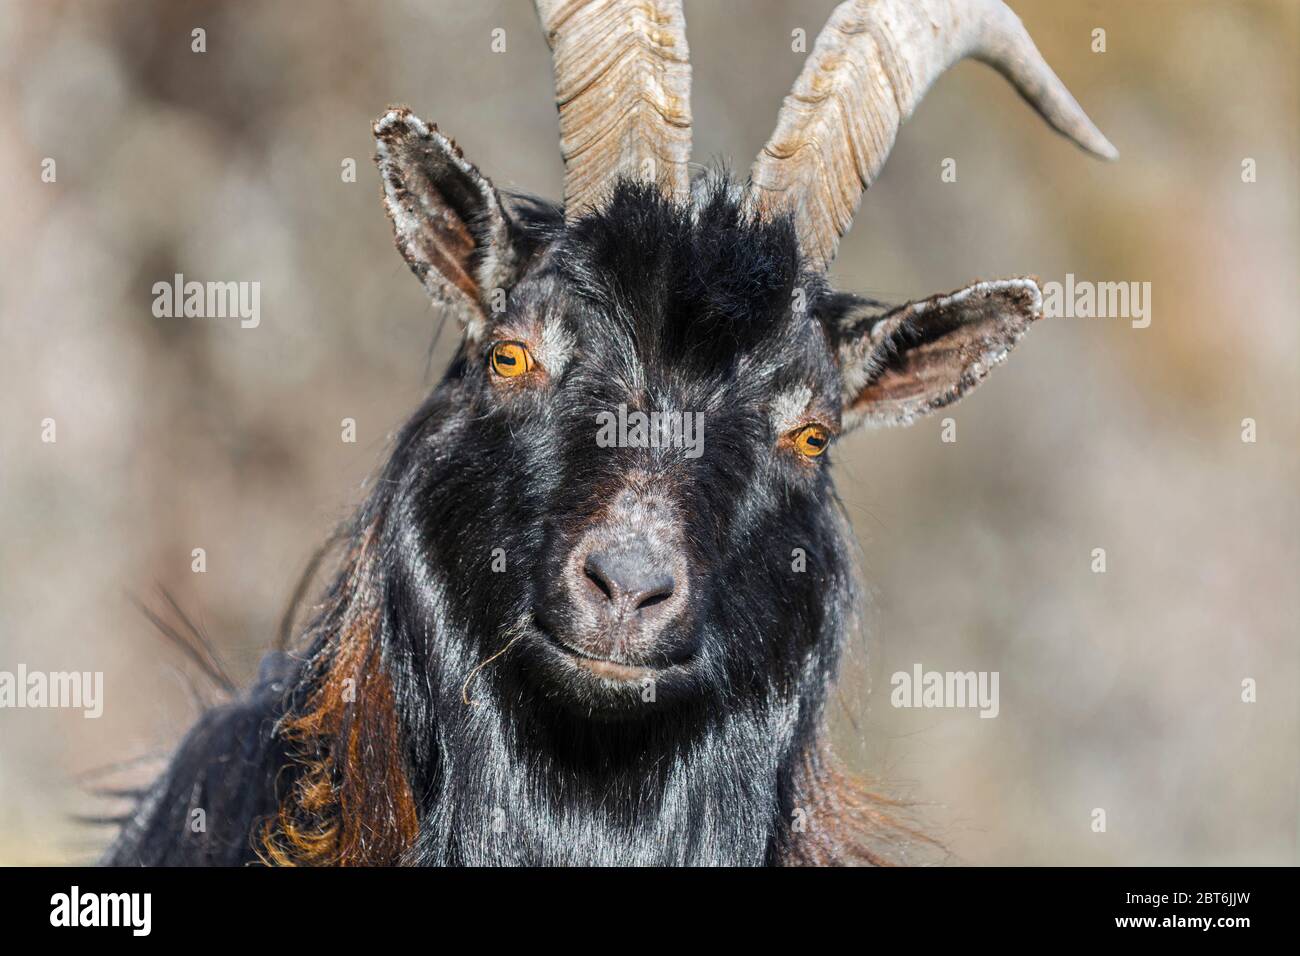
x=662, y=307
x=226, y=767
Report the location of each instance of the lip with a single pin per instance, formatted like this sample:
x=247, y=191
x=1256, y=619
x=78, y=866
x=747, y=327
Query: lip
x=610, y=670
x=596, y=666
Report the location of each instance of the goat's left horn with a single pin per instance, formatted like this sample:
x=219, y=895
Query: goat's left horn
x=623, y=87
x=870, y=67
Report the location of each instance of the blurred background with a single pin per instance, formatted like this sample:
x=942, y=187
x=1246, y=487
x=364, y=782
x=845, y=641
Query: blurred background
x=1119, y=691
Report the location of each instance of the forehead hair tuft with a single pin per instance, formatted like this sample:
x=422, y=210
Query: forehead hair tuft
x=708, y=275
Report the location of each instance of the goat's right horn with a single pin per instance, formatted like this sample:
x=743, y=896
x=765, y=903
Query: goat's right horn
x=623, y=87
x=870, y=67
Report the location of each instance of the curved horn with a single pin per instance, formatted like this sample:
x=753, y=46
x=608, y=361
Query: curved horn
x=623, y=86
x=870, y=67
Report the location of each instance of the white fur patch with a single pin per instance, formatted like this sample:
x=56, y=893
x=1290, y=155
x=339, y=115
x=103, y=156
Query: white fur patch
x=790, y=408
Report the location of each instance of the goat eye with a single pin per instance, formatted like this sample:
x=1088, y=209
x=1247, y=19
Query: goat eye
x=811, y=440
x=510, y=359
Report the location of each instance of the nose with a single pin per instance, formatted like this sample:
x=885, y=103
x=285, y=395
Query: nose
x=623, y=590
x=629, y=579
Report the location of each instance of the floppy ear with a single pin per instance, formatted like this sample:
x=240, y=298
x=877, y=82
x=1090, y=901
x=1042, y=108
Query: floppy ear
x=448, y=220
x=899, y=365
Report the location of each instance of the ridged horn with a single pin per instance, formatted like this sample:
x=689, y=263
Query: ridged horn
x=870, y=67
x=622, y=86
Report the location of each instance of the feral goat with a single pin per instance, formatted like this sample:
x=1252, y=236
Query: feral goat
x=593, y=608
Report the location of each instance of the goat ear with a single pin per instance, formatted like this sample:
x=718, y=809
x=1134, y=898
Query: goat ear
x=907, y=362
x=448, y=220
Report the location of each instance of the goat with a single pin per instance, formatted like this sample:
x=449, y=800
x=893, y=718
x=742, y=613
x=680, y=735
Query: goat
x=541, y=647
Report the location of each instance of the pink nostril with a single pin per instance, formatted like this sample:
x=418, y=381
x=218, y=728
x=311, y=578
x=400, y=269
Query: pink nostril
x=657, y=598
x=601, y=584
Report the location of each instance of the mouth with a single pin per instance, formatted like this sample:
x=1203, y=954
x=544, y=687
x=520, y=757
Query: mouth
x=601, y=667
x=611, y=670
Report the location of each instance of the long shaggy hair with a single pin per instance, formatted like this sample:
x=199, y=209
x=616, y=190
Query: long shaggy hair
x=428, y=717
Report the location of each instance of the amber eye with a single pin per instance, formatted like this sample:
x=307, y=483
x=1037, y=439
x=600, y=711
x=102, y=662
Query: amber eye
x=510, y=359
x=811, y=440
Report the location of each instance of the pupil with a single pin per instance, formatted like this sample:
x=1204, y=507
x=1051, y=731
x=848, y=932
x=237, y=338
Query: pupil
x=506, y=359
